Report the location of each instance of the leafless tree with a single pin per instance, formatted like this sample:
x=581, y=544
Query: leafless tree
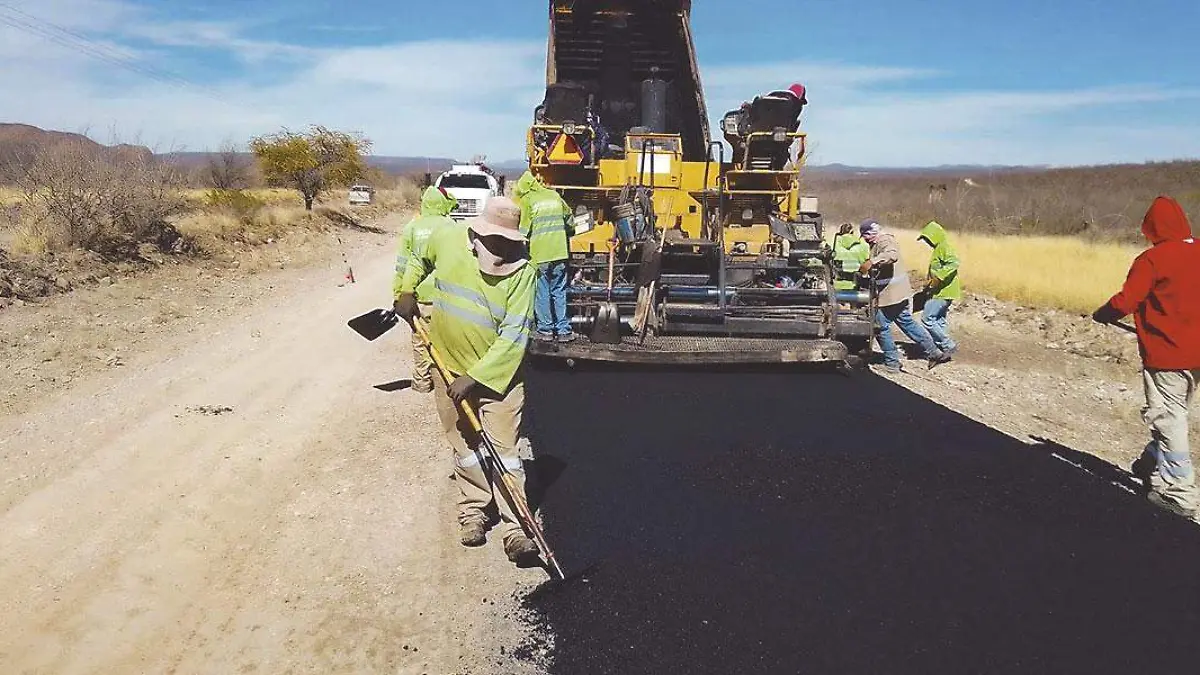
x=228, y=169
x=100, y=201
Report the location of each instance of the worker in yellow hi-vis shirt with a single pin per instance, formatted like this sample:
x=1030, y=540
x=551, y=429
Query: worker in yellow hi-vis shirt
x=482, y=318
x=436, y=205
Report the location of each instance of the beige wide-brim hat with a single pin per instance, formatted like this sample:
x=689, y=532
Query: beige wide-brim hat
x=501, y=217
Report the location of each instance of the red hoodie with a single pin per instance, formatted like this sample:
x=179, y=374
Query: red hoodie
x=1163, y=291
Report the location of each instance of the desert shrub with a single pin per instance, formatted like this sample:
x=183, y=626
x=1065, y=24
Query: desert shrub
x=73, y=197
x=215, y=231
x=408, y=192
x=242, y=204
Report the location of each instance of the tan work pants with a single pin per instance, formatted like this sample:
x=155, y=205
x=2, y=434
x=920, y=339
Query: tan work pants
x=501, y=418
x=1168, y=396
x=422, y=365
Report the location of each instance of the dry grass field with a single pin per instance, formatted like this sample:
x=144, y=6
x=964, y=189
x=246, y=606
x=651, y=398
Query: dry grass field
x=1059, y=239
x=1066, y=273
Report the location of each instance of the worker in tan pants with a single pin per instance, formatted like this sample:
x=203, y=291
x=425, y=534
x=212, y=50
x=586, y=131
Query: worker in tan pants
x=482, y=318
x=501, y=419
x=422, y=367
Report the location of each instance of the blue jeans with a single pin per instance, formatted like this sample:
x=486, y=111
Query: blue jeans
x=934, y=319
x=550, y=299
x=901, y=315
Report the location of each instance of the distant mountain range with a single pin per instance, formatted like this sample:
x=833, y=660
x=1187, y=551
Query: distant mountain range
x=941, y=170
x=19, y=143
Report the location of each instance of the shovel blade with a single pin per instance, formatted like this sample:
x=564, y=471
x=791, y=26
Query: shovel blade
x=607, y=328
x=374, y=323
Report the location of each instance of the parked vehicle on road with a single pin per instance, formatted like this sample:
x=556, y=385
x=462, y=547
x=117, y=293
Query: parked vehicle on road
x=472, y=185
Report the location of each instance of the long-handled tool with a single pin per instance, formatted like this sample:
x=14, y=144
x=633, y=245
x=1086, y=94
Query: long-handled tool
x=515, y=496
x=607, y=327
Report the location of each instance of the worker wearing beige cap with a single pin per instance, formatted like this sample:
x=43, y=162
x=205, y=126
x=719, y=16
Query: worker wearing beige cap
x=482, y=318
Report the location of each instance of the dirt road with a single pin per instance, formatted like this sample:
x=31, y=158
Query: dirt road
x=246, y=501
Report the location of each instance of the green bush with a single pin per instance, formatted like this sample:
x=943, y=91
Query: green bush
x=243, y=205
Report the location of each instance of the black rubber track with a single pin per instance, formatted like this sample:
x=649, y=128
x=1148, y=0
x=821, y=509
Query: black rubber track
x=799, y=522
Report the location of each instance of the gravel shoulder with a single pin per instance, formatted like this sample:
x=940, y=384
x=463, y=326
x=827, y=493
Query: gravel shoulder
x=231, y=493
x=1045, y=375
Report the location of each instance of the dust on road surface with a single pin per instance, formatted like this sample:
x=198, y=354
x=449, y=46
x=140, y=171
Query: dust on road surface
x=247, y=502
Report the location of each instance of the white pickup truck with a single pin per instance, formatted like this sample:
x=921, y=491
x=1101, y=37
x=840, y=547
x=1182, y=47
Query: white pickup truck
x=471, y=185
x=361, y=195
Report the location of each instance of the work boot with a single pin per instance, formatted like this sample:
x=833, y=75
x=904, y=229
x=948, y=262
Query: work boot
x=543, y=337
x=938, y=359
x=567, y=338
x=521, y=551
x=1170, y=505
x=1143, y=469
x=472, y=533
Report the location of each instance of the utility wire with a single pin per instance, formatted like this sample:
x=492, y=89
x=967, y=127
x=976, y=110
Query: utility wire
x=65, y=37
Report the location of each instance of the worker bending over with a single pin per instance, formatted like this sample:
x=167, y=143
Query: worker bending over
x=483, y=305
x=944, y=286
x=546, y=222
x=1163, y=294
x=895, y=293
x=436, y=206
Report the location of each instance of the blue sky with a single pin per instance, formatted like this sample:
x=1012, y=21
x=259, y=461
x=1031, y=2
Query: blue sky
x=890, y=82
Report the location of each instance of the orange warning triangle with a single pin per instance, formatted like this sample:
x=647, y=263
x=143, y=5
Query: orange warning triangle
x=565, y=151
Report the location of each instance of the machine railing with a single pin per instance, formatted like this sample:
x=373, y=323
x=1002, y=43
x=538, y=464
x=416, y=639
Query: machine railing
x=778, y=136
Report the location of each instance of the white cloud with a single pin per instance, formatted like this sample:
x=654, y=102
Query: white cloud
x=220, y=36
x=466, y=97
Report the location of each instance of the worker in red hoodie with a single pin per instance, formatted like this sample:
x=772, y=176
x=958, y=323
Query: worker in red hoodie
x=1163, y=294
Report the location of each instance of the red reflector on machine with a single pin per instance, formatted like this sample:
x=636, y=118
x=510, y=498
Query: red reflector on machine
x=565, y=151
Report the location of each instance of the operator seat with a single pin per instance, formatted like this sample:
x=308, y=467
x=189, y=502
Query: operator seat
x=775, y=110
x=566, y=102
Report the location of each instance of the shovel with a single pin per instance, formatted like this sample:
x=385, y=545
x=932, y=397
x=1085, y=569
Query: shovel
x=374, y=323
x=607, y=328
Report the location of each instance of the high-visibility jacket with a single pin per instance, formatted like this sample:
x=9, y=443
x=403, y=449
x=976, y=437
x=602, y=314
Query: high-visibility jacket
x=545, y=220
x=480, y=323
x=849, y=253
x=435, y=211
x=943, y=264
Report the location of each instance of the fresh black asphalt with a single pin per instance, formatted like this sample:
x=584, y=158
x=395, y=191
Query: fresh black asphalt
x=808, y=522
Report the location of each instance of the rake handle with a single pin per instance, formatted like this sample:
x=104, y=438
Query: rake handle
x=511, y=490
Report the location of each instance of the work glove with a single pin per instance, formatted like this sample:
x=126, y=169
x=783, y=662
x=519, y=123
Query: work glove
x=462, y=387
x=406, y=307
x=1106, y=314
